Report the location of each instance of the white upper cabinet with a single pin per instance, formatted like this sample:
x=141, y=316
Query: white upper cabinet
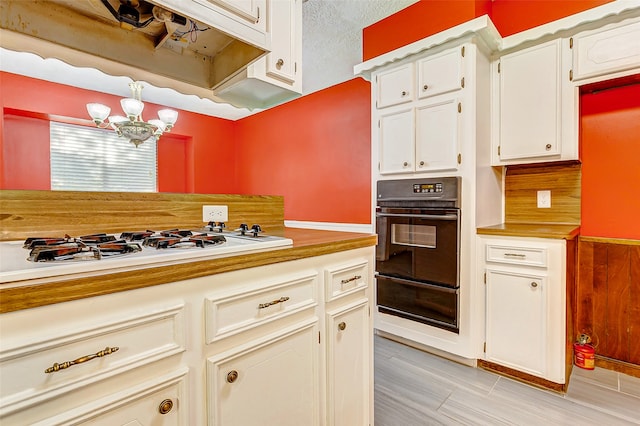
x=252, y=12
x=277, y=76
x=612, y=50
x=437, y=131
x=532, y=103
x=395, y=86
x=397, y=141
x=440, y=73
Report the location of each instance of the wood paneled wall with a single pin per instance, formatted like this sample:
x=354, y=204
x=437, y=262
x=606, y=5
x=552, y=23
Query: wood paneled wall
x=523, y=182
x=55, y=213
x=608, y=307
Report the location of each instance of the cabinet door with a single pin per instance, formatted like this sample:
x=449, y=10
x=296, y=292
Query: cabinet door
x=395, y=86
x=348, y=338
x=397, y=142
x=250, y=10
x=273, y=381
x=437, y=136
x=530, y=102
x=516, y=321
x=284, y=22
x=440, y=73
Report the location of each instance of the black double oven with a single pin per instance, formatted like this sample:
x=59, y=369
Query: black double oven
x=417, y=256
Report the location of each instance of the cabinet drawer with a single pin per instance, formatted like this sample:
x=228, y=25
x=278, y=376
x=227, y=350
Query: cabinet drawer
x=527, y=256
x=347, y=279
x=231, y=313
x=395, y=86
x=601, y=52
x=85, y=356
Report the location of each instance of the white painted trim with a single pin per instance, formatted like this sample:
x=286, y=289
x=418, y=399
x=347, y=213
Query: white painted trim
x=364, y=228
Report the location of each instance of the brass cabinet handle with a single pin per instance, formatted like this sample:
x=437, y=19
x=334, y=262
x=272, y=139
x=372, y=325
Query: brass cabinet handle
x=404, y=93
x=518, y=255
x=548, y=147
x=280, y=63
x=422, y=163
x=348, y=280
x=534, y=284
x=405, y=164
x=56, y=367
x=165, y=406
x=342, y=326
x=232, y=376
x=425, y=87
x=274, y=302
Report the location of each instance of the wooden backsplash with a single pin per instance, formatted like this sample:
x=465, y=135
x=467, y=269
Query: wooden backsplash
x=55, y=213
x=523, y=182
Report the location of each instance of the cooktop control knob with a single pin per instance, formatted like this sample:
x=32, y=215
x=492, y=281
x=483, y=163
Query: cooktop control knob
x=243, y=228
x=219, y=227
x=255, y=229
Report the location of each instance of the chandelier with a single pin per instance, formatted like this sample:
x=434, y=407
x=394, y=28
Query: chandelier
x=133, y=127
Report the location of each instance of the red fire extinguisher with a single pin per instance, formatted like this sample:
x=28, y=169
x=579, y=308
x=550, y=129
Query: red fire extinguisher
x=584, y=353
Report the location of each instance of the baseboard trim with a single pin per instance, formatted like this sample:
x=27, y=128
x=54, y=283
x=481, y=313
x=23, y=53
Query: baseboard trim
x=523, y=377
x=618, y=366
x=331, y=226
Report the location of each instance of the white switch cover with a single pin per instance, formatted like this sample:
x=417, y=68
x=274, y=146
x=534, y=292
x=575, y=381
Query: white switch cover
x=215, y=213
x=544, y=199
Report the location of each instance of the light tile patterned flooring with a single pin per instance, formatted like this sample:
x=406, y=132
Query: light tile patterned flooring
x=415, y=388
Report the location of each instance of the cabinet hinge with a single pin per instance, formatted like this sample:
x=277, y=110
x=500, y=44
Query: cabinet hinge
x=318, y=337
x=484, y=347
x=462, y=82
x=459, y=158
x=485, y=277
x=462, y=51
x=459, y=106
x=571, y=43
x=570, y=75
x=378, y=165
x=378, y=123
x=258, y=18
x=498, y=150
x=295, y=67
x=498, y=67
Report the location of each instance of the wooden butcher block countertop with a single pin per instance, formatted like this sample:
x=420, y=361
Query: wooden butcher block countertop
x=306, y=243
x=535, y=230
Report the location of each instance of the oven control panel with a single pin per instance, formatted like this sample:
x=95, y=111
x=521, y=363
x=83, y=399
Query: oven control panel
x=424, y=188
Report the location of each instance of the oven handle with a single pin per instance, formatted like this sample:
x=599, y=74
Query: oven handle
x=420, y=216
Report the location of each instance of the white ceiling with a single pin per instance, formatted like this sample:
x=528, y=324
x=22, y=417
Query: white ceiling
x=331, y=46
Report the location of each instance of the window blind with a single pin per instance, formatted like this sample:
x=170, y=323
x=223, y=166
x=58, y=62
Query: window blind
x=91, y=159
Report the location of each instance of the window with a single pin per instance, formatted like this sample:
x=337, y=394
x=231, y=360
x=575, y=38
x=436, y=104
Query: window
x=90, y=159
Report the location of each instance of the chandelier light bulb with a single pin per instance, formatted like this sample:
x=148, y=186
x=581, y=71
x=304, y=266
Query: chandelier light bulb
x=132, y=107
x=168, y=116
x=98, y=112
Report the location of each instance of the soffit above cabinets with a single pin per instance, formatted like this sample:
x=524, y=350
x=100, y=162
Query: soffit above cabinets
x=135, y=38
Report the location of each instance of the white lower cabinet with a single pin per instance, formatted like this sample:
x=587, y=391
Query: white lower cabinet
x=272, y=381
x=249, y=347
x=525, y=285
x=348, y=364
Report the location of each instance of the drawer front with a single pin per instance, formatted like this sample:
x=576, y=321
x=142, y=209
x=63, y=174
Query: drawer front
x=602, y=52
x=346, y=279
x=527, y=256
x=259, y=303
x=35, y=371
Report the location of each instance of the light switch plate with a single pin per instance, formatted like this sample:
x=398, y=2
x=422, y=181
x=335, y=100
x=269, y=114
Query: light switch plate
x=544, y=199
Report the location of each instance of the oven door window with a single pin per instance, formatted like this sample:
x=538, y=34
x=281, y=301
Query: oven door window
x=413, y=235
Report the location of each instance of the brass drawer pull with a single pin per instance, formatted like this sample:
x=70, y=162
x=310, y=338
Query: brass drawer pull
x=274, y=302
x=56, y=367
x=354, y=278
x=519, y=256
x=165, y=406
x=342, y=326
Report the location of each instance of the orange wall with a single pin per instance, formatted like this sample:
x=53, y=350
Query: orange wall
x=185, y=155
x=428, y=17
x=610, y=144
x=315, y=151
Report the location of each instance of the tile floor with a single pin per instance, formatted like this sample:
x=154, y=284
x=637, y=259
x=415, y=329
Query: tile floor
x=415, y=388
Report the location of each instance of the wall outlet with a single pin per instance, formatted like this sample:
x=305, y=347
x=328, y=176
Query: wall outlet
x=544, y=199
x=215, y=214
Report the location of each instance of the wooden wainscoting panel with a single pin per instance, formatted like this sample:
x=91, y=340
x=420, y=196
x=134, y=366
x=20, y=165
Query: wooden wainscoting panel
x=523, y=182
x=55, y=213
x=608, y=297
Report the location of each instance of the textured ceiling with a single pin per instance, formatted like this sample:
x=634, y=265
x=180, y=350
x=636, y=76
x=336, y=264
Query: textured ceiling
x=332, y=37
